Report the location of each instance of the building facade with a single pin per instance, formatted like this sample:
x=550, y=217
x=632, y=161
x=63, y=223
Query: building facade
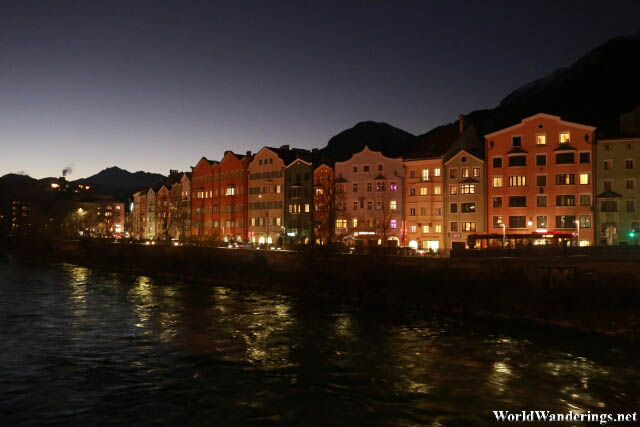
x=424, y=206
x=205, y=200
x=323, y=208
x=369, y=200
x=233, y=212
x=464, y=198
x=617, y=178
x=150, y=217
x=540, y=181
x=266, y=198
x=298, y=215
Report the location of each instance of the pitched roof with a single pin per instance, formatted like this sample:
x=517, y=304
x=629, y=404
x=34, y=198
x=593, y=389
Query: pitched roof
x=608, y=195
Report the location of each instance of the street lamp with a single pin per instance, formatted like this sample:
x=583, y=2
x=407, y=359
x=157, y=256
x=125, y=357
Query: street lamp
x=578, y=225
x=504, y=234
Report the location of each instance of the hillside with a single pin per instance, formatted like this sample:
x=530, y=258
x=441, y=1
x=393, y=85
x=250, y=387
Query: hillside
x=120, y=183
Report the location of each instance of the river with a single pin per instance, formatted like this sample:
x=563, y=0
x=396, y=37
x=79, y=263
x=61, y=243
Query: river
x=88, y=347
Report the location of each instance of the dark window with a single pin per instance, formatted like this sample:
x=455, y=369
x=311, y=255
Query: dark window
x=516, y=141
x=565, y=221
x=585, y=221
x=517, y=161
x=565, y=158
x=565, y=200
x=453, y=173
x=541, y=180
x=497, y=162
x=608, y=206
x=497, y=220
x=585, y=157
x=585, y=200
x=541, y=201
x=517, y=222
x=541, y=221
x=517, y=201
x=467, y=207
x=454, y=207
x=497, y=202
x=541, y=159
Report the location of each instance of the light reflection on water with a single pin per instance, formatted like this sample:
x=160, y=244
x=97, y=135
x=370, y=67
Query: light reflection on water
x=88, y=347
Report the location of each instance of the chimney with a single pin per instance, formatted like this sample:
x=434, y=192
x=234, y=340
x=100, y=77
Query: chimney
x=461, y=123
x=249, y=153
x=284, y=147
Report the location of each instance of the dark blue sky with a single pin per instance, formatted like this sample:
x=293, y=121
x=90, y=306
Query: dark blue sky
x=153, y=85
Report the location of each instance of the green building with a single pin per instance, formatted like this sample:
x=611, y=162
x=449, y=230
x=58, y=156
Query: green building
x=298, y=215
x=617, y=177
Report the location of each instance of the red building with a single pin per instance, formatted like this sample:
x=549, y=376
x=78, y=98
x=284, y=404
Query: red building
x=540, y=181
x=233, y=213
x=205, y=200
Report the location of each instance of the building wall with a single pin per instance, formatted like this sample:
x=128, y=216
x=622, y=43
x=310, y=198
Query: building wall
x=521, y=181
x=298, y=202
x=424, y=206
x=323, y=212
x=617, y=217
x=266, y=198
x=162, y=213
x=233, y=197
x=464, y=177
x=150, y=225
x=205, y=200
x=369, y=199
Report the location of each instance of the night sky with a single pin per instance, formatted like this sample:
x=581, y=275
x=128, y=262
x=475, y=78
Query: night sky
x=154, y=85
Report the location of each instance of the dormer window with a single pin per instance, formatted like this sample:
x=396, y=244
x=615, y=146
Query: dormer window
x=541, y=139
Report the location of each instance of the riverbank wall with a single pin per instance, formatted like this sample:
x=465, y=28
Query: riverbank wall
x=600, y=296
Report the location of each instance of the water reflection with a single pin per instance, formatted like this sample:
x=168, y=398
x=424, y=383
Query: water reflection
x=83, y=347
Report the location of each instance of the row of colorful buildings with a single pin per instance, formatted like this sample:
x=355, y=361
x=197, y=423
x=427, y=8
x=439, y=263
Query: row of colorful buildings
x=541, y=181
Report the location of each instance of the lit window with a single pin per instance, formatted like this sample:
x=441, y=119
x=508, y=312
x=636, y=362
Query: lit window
x=341, y=223
x=423, y=191
x=413, y=228
x=306, y=207
x=469, y=226
x=476, y=172
x=394, y=223
x=453, y=190
x=437, y=190
x=565, y=137
x=517, y=181
x=392, y=205
x=541, y=139
x=393, y=186
x=354, y=222
x=497, y=181
x=425, y=174
x=438, y=228
x=468, y=188
x=425, y=228
x=278, y=189
x=278, y=222
x=230, y=191
x=584, y=178
x=436, y=172
x=465, y=172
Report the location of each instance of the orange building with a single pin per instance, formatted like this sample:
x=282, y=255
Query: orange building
x=233, y=212
x=540, y=181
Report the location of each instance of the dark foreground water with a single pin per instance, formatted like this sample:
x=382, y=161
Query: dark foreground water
x=79, y=346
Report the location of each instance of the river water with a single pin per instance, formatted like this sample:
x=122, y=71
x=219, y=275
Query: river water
x=88, y=347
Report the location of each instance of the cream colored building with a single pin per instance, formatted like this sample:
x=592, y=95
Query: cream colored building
x=369, y=200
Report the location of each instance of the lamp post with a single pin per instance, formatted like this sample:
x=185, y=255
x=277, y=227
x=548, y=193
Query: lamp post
x=504, y=234
x=578, y=235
